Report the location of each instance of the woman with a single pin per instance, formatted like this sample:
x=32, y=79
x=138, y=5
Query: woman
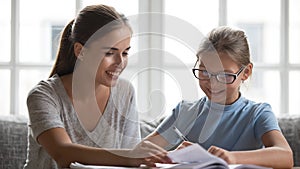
x=228, y=125
x=84, y=112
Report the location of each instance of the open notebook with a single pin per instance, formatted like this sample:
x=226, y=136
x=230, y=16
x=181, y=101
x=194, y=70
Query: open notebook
x=196, y=157
x=83, y=166
x=191, y=157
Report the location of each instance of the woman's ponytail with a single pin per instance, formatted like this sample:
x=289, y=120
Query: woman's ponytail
x=65, y=57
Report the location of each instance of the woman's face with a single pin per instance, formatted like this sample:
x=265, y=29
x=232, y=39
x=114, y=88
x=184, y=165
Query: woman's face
x=216, y=91
x=108, y=56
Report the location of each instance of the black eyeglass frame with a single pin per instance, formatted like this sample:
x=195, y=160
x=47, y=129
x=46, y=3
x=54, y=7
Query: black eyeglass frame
x=234, y=75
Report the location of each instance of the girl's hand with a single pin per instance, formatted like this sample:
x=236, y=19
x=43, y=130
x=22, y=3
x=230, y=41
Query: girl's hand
x=224, y=154
x=184, y=144
x=149, y=153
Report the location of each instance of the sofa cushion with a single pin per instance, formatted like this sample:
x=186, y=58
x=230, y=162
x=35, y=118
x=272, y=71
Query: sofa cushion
x=290, y=127
x=147, y=127
x=13, y=141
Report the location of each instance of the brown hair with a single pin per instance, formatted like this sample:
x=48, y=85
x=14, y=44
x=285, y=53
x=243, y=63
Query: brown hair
x=228, y=40
x=88, y=22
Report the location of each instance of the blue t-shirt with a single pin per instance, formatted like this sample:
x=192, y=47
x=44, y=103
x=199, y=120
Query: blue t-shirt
x=238, y=126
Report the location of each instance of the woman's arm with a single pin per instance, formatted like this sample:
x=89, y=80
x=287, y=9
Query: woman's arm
x=157, y=139
x=276, y=154
x=58, y=144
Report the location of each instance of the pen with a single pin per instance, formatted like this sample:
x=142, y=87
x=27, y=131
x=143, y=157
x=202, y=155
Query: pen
x=179, y=134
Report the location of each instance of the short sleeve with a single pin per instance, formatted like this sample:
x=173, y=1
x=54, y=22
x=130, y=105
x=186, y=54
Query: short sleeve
x=165, y=128
x=265, y=120
x=43, y=107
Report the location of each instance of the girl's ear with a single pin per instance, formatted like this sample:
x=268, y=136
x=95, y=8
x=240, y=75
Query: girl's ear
x=78, y=50
x=247, y=72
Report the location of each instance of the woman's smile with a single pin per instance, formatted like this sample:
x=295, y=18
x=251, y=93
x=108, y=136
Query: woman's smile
x=114, y=74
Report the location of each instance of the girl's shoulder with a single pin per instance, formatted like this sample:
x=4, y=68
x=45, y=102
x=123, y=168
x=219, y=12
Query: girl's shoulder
x=257, y=109
x=191, y=106
x=256, y=105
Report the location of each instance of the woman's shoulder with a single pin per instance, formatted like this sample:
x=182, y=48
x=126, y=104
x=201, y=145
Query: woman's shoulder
x=123, y=85
x=48, y=86
x=123, y=82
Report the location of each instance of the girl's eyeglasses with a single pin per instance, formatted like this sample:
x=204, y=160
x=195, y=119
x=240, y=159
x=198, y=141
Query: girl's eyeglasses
x=222, y=77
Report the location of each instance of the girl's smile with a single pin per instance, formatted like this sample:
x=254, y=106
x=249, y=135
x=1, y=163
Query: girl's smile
x=215, y=90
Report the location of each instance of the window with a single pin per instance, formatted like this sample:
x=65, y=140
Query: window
x=27, y=56
x=5, y=31
x=55, y=34
x=275, y=61
x=294, y=59
x=159, y=64
x=179, y=82
x=263, y=31
x=29, y=42
x=273, y=46
x=128, y=8
x=5, y=43
x=5, y=91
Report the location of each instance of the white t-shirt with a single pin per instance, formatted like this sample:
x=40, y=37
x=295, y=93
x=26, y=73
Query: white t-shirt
x=50, y=107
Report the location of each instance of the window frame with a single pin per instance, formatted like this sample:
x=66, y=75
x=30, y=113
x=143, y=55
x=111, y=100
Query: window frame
x=151, y=82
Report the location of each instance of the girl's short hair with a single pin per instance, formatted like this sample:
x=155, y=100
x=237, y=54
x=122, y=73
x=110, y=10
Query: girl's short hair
x=227, y=40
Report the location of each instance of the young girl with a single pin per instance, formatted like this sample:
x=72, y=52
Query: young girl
x=84, y=112
x=224, y=122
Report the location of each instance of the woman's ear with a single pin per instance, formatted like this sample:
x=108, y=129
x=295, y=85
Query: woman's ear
x=247, y=72
x=78, y=50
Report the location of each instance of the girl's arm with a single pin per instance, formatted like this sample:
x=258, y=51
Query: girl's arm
x=58, y=144
x=276, y=154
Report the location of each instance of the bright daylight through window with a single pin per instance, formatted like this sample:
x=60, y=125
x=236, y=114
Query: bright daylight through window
x=30, y=37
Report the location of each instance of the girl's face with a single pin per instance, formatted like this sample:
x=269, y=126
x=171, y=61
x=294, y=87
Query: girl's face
x=220, y=63
x=108, y=56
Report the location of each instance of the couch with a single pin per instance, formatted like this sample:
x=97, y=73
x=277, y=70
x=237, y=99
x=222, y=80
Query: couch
x=13, y=142
x=13, y=138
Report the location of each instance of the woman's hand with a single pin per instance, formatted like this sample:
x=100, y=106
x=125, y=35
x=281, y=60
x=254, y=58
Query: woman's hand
x=184, y=144
x=149, y=153
x=224, y=154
